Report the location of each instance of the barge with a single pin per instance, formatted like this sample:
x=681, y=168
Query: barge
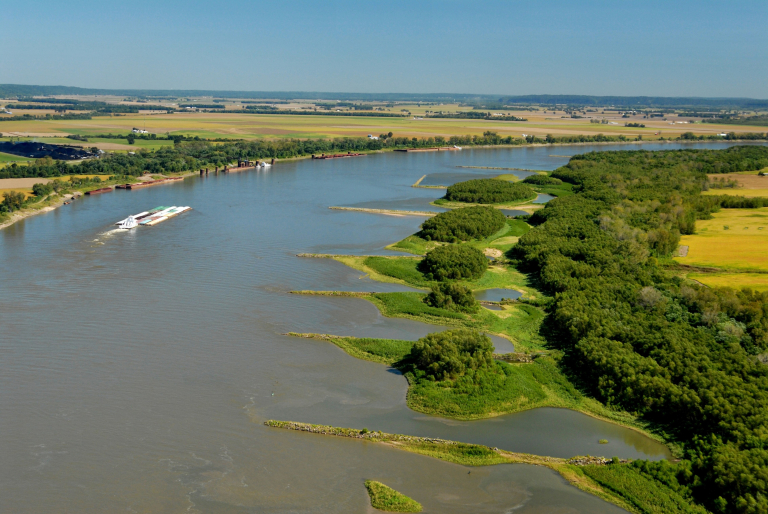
x=99, y=191
x=147, y=183
x=431, y=149
x=154, y=216
x=337, y=155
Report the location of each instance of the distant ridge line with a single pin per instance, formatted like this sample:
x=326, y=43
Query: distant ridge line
x=495, y=101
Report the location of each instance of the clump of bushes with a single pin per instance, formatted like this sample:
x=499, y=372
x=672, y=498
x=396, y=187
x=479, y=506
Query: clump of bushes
x=12, y=201
x=455, y=262
x=463, y=224
x=488, y=190
x=542, y=180
x=449, y=355
x=453, y=297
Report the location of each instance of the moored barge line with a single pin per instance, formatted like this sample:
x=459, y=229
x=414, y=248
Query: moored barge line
x=99, y=191
x=337, y=155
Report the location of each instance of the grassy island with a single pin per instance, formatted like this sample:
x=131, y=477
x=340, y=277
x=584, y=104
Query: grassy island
x=387, y=499
x=633, y=486
x=471, y=391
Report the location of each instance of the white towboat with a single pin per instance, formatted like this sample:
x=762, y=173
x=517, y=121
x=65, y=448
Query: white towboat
x=128, y=223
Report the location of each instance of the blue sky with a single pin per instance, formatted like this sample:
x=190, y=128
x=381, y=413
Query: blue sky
x=664, y=48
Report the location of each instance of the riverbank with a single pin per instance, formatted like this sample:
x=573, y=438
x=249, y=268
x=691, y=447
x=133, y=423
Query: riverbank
x=24, y=213
x=54, y=201
x=619, y=482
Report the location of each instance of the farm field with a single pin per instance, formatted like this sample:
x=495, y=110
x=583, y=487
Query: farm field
x=276, y=126
x=733, y=239
x=6, y=157
x=749, y=193
x=755, y=281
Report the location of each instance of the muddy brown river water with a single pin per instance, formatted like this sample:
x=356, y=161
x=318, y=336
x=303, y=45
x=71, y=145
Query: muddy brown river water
x=137, y=368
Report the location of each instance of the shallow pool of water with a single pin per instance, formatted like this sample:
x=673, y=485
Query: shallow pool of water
x=497, y=295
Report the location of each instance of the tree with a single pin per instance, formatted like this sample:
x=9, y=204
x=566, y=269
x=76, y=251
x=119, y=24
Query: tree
x=448, y=355
x=453, y=297
x=463, y=224
x=454, y=262
x=13, y=200
x=131, y=138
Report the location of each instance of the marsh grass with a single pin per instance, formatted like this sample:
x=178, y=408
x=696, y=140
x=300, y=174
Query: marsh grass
x=387, y=499
x=645, y=494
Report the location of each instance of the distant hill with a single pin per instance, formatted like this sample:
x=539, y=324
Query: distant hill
x=634, y=102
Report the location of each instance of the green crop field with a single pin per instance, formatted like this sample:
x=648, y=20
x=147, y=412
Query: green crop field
x=6, y=157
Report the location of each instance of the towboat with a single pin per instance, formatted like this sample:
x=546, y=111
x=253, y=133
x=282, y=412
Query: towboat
x=128, y=223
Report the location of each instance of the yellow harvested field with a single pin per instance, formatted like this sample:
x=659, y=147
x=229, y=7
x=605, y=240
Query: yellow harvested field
x=27, y=191
x=21, y=183
x=750, y=184
x=746, y=180
x=756, y=281
x=733, y=238
x=276, y=126
x=749, y=193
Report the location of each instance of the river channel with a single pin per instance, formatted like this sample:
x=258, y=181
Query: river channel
x=137, y=367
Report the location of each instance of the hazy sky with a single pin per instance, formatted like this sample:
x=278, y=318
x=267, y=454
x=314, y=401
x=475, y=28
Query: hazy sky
x=666, y=48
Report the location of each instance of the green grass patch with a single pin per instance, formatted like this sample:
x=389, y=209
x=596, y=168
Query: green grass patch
x=414, y=244
x=519, y=322
x=458, y=453
x=503, y=240
x=387, y=499
x=411, y=305
x=400, y=268
x=647, y=495
x=563, y=189
x=7, y=157
x=486, y=393
x=382, y=351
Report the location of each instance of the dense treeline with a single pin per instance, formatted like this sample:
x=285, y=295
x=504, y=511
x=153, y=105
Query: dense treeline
x=96, y=107
x=203, y=106
x=475, y=115
x=488, y=190
x=760, y=120
x=463, y=224
x=77, y=105
x=196, y=153
x=271, y=110
x=641, y=339
x=67, y=116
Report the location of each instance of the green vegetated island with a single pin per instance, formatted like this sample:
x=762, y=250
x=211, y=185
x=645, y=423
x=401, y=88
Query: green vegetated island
x=606, y=324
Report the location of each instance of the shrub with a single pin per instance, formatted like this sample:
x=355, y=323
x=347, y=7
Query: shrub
x=42, y=189
x=542, y=180
x=463, y=224
x=451, y=296
x=13, y=200
x=454, y=262
x=448, y=355
x=488, y=190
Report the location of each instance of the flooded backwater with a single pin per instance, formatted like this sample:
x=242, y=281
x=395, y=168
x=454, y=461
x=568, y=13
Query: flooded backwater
x=136, y=368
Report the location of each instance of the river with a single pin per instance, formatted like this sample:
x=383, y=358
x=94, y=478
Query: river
x=137, y=367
